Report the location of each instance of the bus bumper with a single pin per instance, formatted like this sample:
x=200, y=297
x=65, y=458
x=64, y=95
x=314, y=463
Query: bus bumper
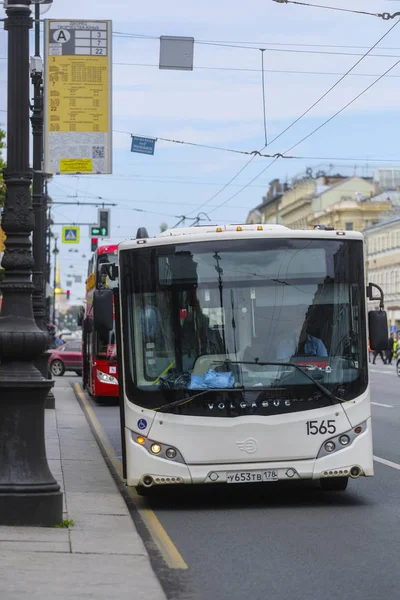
x=146, y=469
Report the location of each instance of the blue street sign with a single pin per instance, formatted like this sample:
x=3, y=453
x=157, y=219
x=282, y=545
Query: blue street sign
x=393, y=329
x=70, y=234
x=143, y=145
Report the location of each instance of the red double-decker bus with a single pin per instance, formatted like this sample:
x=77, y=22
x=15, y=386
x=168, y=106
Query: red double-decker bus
x=100, y=370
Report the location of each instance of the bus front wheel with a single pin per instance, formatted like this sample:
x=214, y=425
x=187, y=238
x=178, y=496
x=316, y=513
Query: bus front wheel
x=334, y=484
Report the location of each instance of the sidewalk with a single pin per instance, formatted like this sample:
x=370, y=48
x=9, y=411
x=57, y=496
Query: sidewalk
x=102, y=555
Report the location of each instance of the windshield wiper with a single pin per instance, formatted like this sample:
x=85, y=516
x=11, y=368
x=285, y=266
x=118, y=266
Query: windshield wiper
x=319, y=385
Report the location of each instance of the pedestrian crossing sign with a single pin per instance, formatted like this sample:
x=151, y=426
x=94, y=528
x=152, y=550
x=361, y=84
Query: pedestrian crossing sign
x=70, y=234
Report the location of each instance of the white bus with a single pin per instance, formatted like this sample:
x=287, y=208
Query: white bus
x=244, y=356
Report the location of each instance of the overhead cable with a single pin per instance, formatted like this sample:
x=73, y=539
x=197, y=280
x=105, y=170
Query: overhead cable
x=335, y=84
x=276, y=156
x=307, y=136
x=385, y=16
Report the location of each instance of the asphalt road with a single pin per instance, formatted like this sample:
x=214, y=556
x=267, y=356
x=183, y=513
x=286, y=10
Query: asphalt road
x=292, y=543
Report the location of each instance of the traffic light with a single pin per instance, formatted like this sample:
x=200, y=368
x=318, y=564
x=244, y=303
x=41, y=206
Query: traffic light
x=94, y=243
x=68, y=292
x=104, y=222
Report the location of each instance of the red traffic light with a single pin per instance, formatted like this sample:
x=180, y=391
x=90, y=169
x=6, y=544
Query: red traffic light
x=68, y=292
x=94, y=243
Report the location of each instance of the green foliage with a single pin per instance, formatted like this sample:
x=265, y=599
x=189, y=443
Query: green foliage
x=65, y=524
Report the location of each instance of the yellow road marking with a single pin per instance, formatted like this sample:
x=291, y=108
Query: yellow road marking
x=161, y=538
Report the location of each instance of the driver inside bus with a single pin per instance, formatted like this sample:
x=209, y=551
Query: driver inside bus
x=302, y=344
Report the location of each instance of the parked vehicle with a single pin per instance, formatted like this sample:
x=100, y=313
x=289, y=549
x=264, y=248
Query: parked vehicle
x=66, y=358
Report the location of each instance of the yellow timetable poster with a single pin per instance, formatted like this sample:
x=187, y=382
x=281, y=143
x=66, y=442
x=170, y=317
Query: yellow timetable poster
x=78, y=97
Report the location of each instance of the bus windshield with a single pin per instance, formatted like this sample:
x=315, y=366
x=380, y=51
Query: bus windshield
x=213, y=315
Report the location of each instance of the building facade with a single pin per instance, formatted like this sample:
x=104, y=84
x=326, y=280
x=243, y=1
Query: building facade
x=383, y=264
x=351, y=203
x=268, y=210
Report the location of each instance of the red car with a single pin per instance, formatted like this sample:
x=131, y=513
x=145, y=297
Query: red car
x=67, y=357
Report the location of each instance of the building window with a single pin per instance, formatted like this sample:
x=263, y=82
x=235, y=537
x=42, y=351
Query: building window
x=349, y=226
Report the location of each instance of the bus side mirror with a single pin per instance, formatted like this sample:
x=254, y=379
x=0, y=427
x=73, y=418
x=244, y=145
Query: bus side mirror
x=87, y=326
x=80, y=318
x=103, y=310
x=109, y=270
x=377, y=321
x=378, y=330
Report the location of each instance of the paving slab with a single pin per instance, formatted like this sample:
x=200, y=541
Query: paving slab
x=100, y=555
x=61, y=576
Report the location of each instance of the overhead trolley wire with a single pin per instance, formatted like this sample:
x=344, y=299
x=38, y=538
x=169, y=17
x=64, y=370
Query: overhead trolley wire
x=275, y=158
x=335, y=84
x=385, y=16
x=307, y=136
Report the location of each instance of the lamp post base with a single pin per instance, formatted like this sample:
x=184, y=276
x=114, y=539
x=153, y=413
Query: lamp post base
x=29, y=494
x=31, y=510
x=42, y=364
x=50, y=400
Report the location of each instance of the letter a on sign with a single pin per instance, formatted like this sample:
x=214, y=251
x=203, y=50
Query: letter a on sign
x=61, y=36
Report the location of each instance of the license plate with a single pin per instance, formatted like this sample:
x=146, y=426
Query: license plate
x=251, y=476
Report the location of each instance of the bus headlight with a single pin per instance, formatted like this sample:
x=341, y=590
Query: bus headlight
x=339, y=442
x=158, y=449
x=106, y=378
x=329, y=446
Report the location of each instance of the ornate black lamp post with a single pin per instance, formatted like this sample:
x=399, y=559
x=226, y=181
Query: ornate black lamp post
x=29, y=494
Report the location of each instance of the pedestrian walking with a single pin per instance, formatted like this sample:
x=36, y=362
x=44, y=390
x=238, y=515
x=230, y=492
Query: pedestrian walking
x=379, y=353
x=390, y=350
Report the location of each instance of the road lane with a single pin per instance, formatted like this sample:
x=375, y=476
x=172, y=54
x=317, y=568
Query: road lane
x=287, y=542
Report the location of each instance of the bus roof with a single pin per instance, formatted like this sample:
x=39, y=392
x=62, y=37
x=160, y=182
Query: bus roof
x=209, y=232
x=109, y=249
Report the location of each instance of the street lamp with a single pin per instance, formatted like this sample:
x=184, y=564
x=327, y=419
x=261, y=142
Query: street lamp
x=29, y=494
x=55, y=252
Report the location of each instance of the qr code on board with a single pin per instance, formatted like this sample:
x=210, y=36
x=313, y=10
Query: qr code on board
x=99, y=152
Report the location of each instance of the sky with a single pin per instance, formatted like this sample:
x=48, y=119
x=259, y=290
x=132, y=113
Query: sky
x=220, y=103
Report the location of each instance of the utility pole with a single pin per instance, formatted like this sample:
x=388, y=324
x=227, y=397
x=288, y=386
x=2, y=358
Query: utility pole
x=39, y=202
x=55, y=252
x=39, y=210
x=29, y=494
x=49, y=234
